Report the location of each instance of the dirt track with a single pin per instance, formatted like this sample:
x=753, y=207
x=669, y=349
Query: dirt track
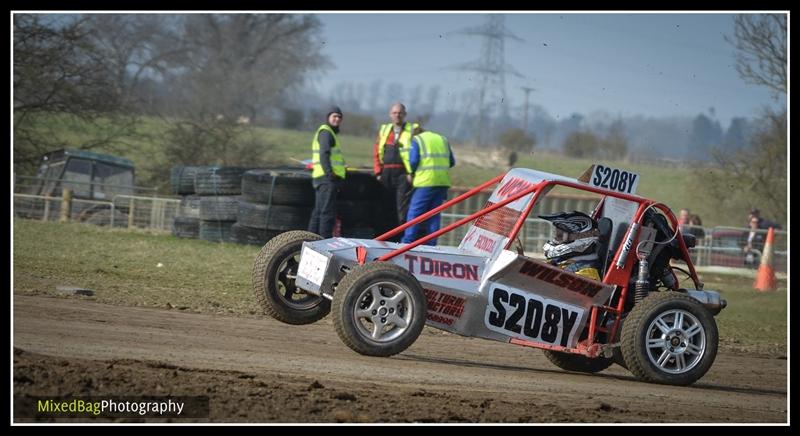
x=259, y=370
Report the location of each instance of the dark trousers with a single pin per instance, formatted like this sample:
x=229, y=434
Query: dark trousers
x=323, y=217
x=397, y=194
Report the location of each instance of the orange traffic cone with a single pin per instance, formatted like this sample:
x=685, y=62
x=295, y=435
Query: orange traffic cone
x=765, y=280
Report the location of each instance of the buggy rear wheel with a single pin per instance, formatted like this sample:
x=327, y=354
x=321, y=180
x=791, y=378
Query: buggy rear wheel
x=669, y=338
x=274, y=273
x=379, y=309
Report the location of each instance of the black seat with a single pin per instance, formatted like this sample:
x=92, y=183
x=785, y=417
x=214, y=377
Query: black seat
x=605, y=226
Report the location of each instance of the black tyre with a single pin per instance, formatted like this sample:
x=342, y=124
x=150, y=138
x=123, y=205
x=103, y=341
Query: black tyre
x=219, y=207
x=184, y=227
x=358, y=232
x=360, y=186
x=248, y=235
x=577, y=362
x=273, y=276
x=285, y=187
x=669, y=338
x=190, y=206
x=357, y=213
x=219, y=180
x=215, y=231
x=275, y=217
x=182, y=179
x=379, y=309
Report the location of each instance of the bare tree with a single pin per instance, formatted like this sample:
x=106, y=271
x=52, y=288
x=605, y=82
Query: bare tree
x=135, y=46
x=241, y=63
x=761, y=43
x=61, y=81
x=757, y=173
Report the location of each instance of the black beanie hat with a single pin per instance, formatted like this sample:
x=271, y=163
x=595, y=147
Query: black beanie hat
x=333, y=110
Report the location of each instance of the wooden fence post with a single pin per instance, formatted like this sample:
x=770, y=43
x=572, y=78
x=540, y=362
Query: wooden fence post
x=66, y=204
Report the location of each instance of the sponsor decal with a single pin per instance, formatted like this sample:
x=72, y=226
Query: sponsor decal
x=562, y=279
x=528, y=316
x=485, y=244
x=614, y=179
x=444, y=308
x=500, y=221
x=511, y=187
x=440, y=268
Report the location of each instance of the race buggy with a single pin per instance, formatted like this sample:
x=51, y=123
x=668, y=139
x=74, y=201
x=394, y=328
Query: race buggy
x=635, y=313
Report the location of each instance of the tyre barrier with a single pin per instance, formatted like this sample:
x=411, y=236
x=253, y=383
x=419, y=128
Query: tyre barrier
x=219, y=180
x=216, y=231
x=357, y=213
x=274, y=217
x=190, y=206
x=181, y=179
x=359, y=185
x=219, y=207
x=248, y=235
x=186, y=227
x=285, y=187
x=358, y=232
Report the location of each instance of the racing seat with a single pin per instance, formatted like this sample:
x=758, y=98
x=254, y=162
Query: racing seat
x=605, y=226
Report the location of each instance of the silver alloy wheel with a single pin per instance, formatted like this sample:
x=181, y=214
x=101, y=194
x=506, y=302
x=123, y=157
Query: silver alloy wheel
x=676, y=341
x=293, y=296
x=383, y=312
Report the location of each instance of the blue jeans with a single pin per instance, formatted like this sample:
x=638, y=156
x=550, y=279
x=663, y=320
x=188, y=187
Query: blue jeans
x=424, y=200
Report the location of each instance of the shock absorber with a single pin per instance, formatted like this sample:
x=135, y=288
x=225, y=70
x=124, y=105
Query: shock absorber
x=642, y=282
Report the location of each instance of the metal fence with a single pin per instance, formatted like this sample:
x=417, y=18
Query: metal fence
x=123, y=211
x=716, y=246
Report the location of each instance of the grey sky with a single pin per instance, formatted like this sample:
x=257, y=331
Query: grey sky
x=654, y=64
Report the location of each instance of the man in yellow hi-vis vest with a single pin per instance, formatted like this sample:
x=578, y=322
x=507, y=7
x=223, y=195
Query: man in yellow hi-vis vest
x=328, y=173
x=430, y=158
x=391, y=165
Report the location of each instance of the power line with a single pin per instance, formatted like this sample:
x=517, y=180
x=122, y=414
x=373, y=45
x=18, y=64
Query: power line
x=527, y=92
x=490, y=94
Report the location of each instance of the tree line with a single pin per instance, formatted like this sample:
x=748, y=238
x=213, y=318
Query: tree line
x=209, y=77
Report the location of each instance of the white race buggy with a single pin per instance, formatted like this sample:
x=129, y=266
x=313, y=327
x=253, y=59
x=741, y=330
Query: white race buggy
x=381, y=294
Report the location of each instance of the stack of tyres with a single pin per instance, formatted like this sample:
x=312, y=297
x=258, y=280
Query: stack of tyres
x=187, y=221
x=219, y=188
x=273, y=201
x=359, y=205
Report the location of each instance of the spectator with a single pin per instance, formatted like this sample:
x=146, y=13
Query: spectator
x=696, y=226
x=691, y=224
x=763, y=223
x=431, y=159
x=755, y=239
x=391, y=164
x=755, y=243
x=328, y=173
x=684, y=216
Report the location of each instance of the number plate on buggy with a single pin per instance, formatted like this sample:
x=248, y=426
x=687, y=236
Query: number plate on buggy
x=614, y=179
x=312, y=266
x=531, y=317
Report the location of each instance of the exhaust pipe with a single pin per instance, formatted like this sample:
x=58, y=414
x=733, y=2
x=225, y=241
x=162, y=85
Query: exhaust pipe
x=710, y=299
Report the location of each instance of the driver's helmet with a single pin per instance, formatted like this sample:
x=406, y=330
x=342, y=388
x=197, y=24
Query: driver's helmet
x=576, y=237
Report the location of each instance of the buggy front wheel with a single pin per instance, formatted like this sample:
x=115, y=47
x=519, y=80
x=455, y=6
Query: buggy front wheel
x=669, y=338
x=379, y=309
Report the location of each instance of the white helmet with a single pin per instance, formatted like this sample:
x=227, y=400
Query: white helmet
x=576, y=237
